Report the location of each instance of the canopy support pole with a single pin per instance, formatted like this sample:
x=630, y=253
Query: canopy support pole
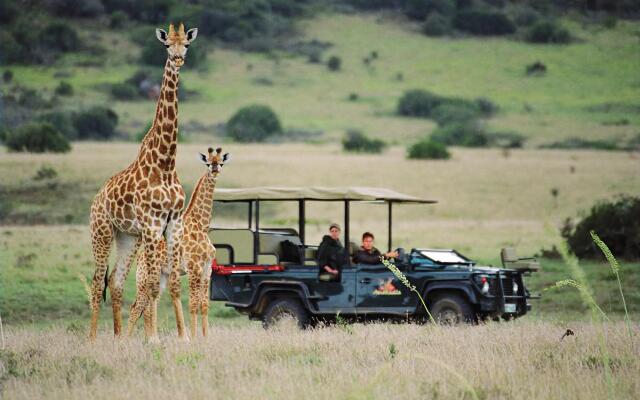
x=301, y=219
x=390, y=215
x=346, y=227
x=256, y=242
x=250, y=213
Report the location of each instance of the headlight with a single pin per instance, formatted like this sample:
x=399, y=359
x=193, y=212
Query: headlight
x=515, y=288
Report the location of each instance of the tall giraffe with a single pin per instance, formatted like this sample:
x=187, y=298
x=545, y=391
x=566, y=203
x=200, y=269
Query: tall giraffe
x=197, y=250
x=143, y=202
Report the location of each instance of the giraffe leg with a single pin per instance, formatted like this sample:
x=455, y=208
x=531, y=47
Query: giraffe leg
x=140, y=279
x=126, y=246
x=101, y=239
x=204, y=298
x=195, y=277
x=150, y=287
x=173, y=234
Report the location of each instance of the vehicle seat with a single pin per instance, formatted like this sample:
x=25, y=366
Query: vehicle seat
x=510, y=259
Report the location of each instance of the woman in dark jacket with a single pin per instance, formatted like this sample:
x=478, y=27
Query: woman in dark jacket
x=331, y=255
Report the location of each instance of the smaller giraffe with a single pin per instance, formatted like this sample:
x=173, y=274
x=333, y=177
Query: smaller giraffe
x=197, y=250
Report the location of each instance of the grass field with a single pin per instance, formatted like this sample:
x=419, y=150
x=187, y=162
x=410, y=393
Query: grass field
x=521, y=360
x=590, y=86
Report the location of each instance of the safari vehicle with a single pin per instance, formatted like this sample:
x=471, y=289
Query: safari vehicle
x=270, y=273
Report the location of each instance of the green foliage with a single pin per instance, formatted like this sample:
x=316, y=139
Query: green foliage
x=356, y=141
x=507, y=140
x=468, y=134
x=38, y=138
x=254, y=123
x=96, y=123
x=118, y=19
x=334, y=63
x=124, y=91
x=7, y=76
x=418, y=103
x=484, y=23
x=45, y=172
x=64, y=89
x=436, y=25
x=617, y=223
x=547, y=32
x=579, y=143
x=428, y=149
x=62, y=121
x=76, y=8
x=8, y=11
x=452, y=113
x=59, y=36
x=525, y=16
x=420, y=9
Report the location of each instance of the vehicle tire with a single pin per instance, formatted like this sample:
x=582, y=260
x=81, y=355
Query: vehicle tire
x=452, y=309
x=283, y=308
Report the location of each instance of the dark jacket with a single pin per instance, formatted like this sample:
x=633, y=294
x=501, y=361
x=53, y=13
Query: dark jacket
x=364, y=256
x=331, y=253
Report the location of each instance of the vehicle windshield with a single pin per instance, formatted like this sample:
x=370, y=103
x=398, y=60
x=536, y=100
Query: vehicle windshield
x=443, y=256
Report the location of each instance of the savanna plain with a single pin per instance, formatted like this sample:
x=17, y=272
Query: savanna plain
x=487, y=199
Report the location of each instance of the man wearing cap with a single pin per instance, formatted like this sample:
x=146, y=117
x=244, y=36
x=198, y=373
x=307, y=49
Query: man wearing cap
x=331, y=255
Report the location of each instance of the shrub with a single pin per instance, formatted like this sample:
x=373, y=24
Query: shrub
x=96, y=123
x=4, y=132
x=547, y=32
x=536, y=69
x=507, y=140
x=124, y=91
x=487, y=107
x=356, y=141
x=7, y=76
x=418, y=103
x=428, y=149
x=64, y=89
x=436, y=25
x=485, y=23
x=62, y=121
x=254, y=123
x=38, y=138
x=334, y=63
x=617, y=223
x=579, y=143
x=468, y=134
x=117, y=19
x=420, y=9
x=353, y=97
x=76, y=8
x=451, y=113
x=525, y=16
x=59, y=36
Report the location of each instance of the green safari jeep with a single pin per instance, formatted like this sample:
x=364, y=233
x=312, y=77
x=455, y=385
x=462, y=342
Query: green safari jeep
x=254, y=273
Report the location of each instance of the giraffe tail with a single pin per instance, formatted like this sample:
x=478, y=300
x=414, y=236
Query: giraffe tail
x=106, y=283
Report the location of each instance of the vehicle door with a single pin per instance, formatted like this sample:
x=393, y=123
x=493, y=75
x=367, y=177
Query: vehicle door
x=340, y=296
x=378, y=291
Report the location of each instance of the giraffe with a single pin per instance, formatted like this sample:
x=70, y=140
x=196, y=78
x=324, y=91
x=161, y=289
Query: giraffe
x=143, y=202
x=197, y=250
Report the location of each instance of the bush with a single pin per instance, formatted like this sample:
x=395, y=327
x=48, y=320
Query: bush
x=124, y=91
x=254, y=123
x=334, y=63
x=487, y=107
x=118, y=19
x=436, y=25
x=618, y=225
x=418, y=103
x=76, y=8
x=7, y=76
x=96, y=123
x=507, y=140
x=579, y=143
x=38, y=138
x=547, y=32
x=428, y=149
x=452, y=113
x=62, y=121
x=59, y=36
x=420, y=9
x=64, y=89
x=485, y=23
x=525, y=16
x=468, y=134
x=356, y=141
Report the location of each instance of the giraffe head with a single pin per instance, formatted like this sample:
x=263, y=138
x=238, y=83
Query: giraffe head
x=176, y=43
x=215, y=160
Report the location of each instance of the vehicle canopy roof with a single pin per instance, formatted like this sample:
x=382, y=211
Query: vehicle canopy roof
x=317, y=193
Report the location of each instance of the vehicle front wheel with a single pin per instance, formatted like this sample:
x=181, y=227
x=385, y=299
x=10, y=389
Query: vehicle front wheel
x=452, y=309
x=280, y=310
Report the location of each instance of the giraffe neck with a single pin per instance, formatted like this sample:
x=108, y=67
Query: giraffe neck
x=200, y=208
x=159, y=146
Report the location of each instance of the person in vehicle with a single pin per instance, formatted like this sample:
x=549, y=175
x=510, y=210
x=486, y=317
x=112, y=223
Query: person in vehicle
x=367, y=254
x=331, y=255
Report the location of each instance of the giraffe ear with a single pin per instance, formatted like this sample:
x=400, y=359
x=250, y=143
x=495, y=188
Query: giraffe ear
x=226, y=158
x=192, y=34
x=203, y=158
x=161, y=34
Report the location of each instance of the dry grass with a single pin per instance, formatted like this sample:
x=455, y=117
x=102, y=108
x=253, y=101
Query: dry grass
x=508, y=361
